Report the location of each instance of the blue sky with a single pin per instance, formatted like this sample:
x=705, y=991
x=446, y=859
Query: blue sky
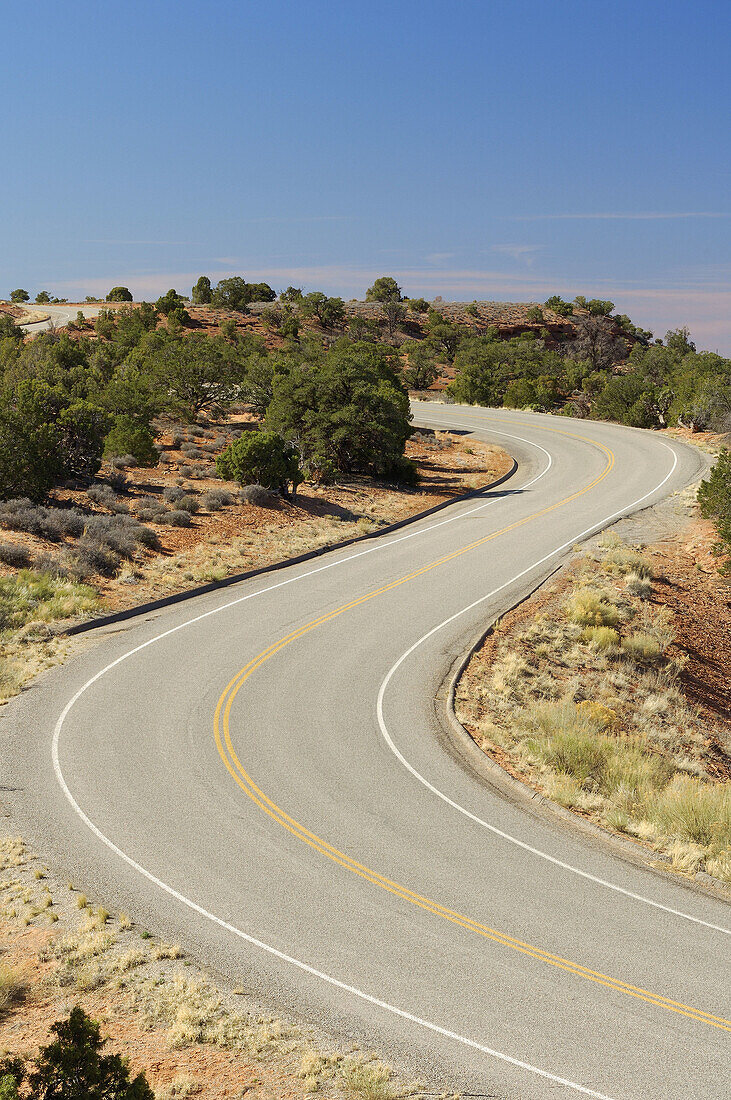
x=499, y=150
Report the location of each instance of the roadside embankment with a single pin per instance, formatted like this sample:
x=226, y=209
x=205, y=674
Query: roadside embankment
x=607, y=691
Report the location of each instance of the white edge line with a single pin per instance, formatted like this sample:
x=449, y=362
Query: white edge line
x=461, y=809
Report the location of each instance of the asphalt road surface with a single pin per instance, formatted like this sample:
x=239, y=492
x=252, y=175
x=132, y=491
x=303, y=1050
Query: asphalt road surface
x=263, y=773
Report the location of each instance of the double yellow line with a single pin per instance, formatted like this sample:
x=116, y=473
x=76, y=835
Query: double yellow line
x=241, y=777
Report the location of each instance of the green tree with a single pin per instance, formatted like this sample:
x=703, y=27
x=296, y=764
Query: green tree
x=19, y=296
x=119, y=294
x=328, y=311
x=45, y=437
x=535, y=315
x=348, y=413
x=292, y=295
x=190, y=374
x=394, y=312
x=714, y=497
x=598, y=307
x=236, y=294
x=444, y=334
x=261, y=456
x=42, y=297
x=419, y=305
x=421, y=369
x=73, y=1067
x=129, y=437
x=385, y=289
x=202, y=294
x=172, y=302
x=597, y=342
x=557, y=305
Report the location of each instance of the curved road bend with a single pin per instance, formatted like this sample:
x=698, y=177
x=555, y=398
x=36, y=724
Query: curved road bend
x=233, y=772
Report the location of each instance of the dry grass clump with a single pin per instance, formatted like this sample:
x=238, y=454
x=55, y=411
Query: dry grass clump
x=12, y=988
x=585, y=701
x=590, y=607
x=366, y=1079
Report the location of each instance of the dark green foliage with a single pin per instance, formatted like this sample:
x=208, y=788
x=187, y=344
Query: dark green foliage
x=385, y=289
x=42, y=297
x=348, y=412
x=289, y=325
x=120, y=294
x=328, y=311
x=557, y=305
x=8, y=328
x=292, y=294
x=202, y=294
x=172, y=305
x=189, y=375
x=444, y=335
x=629, y=399
x=261, y=457
x=394, y=312
x=419, y=305
x=714, y=496
x=421, y=369
x=19, y=296
x=486, y=368
x=535, y=315
x=129, y=437
x=46, y=435
x=235, y=293
x=73, y=1067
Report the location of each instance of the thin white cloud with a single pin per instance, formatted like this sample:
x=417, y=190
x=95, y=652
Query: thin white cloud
x=521, y=253
x=648, y=215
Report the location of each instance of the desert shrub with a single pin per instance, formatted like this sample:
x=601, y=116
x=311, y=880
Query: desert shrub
x=258, y=495
x=419, y=305
x=714, y=496
x=22, y=515
x=122, y=462
x=15, y=556
x=119, y=533
x=151, y=515
x=642, y=647
x=261, y=456
x=177, y=518
x=588, y=607
x=131, y=438
x=117, y=481
x=172, y=493
x=190, y=450
x=188, y=504
x=215, y=499
x=637, y=585
x=187, y=471
x=89, y=559
x=601, y=638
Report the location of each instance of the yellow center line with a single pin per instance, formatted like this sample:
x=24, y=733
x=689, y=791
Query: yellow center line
x=245, y=782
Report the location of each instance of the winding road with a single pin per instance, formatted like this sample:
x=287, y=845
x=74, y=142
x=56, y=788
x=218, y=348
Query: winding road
x=265, y=773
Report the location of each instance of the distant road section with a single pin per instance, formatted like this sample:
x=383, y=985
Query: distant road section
x=56, y=316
